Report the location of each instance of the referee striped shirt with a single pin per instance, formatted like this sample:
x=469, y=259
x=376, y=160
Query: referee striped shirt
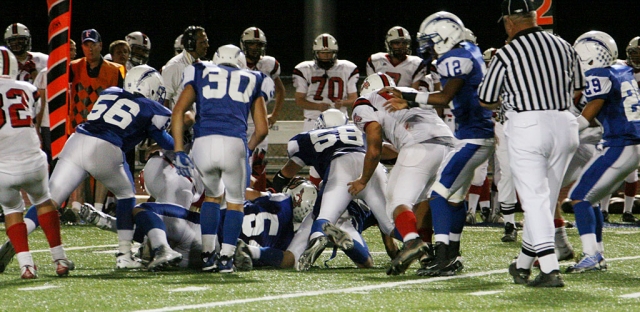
x=535, y=71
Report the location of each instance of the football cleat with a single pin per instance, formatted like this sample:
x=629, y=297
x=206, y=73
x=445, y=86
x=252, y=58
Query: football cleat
x=443, y=264
x=496, y=218
x=520, y=276
x=98, y=218
x=510, y=233
x=164, y=256
x=551, y=279
x=126, y=261
x=564, y=252
x=471, y=218
x=629, y=217
x=315, y=247
x=587, y=263
x=412, y=250
x=242, y=257
x=63, y=266
x=338, y=237
x=6, y=255
x=209, y=262
x=28, y=272
x=225, y=264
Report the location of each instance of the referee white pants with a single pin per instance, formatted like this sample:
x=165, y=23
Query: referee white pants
x=540, y=145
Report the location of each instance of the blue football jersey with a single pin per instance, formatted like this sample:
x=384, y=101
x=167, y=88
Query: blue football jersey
x=620, y=114
x=268, y=220
x=319, y=147
x=224, y=96
x=472, y=120
x=124, y=119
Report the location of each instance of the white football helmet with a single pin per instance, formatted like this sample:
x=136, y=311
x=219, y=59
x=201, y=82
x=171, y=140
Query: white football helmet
x=440, y=31
x=331, y=118
x=230, y=55
x=395, y=34
x=140, y=48
x=303, y=197
x=596, y=49
x=470, y=36
x=17, y=38
x=177, y=45
x=253, y=35
x=146, y=81
x=8, y=64
x=325, y=43
x=488, y=54
x=375, y=82
x=633, y=53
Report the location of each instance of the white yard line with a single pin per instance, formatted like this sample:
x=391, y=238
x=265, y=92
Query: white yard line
x=340, y=291
x=485, y=293
x=38, y=287
x=78, y=248
x=633, y=295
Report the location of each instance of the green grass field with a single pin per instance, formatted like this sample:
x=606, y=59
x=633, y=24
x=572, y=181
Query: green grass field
x=484, y=284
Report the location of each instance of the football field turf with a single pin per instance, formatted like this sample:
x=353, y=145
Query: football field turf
x=484, y=284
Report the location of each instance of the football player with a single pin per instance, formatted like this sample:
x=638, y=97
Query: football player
x=612, y=91
x=326, y=82
x=17, y=38
x=474, y=128
x=140, y=49
x=253, y=43
x=422, y=139
x=405, y=69
x=23, y=166
x=120, y=119
x=224, y=93
x=337, y=151
x=631, y=181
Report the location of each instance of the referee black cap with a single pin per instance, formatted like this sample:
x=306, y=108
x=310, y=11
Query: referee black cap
x=510, y=7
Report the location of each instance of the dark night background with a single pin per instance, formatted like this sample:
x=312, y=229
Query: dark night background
x=360, y=29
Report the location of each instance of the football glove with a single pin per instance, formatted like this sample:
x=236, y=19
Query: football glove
x=183, y=164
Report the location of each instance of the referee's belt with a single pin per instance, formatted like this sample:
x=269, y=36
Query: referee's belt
x=540, y=110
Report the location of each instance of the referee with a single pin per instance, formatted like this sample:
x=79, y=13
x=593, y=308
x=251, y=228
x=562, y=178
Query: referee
x=536, y=75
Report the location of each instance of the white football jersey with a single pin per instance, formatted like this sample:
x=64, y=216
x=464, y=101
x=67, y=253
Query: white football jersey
x=41, y=83
x=325, y=86
x=268, y=65
x=410, y=70
x=19, y=141
x=401, y=128
x=40, y=61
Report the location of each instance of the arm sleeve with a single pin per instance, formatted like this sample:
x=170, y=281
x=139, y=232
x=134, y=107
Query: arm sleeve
x=163, y=138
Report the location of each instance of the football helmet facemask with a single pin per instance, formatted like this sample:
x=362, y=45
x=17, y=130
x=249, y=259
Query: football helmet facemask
x=375, y=82
x=140, y=48
x=331, y=118
x=325, y=43
x=596, y=49
x=177, y=45
x=146, y=81
x=251, y=36
x=633, y=53
x=398, y=34
x=8, y=64
x=230, y=55
x=440, y=31
x=303, y=197
x=17, y=38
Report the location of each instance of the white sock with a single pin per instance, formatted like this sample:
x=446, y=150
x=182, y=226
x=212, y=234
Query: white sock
x=473, y=202
x=227, y=250
x=58, y=253
x=589, y=244
x=24, y=258
x=208, y=242
x=157, y=238
x=255, y=252
x=628, y=203
x=604, y=203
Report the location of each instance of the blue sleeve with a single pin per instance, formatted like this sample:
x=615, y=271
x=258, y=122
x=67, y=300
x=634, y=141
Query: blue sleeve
x=163, y=138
